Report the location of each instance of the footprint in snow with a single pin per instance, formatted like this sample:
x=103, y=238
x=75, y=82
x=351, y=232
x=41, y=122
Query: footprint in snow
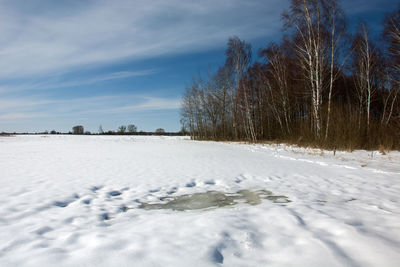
x=65, y=203
x=104, y=217
x=86, y=201
x=61, y=204
x=154, y=190
x=216, y=256
x=191, y=184
x=172, y=191
x=210, y=182
x=123, y=208
x=94, y=189
x=114, y=193
x=43, y=230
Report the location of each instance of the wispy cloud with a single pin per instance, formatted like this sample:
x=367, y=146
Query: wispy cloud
x=100, y=78
x=20, y=115
x=148, y=104
x=19, y=109
x=57, y=82
x=57, y=36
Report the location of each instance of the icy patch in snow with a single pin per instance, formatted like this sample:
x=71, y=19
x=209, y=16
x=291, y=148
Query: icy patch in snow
x=213, y=199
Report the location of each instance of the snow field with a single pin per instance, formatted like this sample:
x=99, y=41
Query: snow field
x=74, y=201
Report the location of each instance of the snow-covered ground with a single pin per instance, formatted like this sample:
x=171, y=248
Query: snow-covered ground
x=75, y=201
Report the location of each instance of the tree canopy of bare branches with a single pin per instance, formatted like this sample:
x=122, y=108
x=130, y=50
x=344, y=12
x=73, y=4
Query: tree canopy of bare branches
x=317, y=86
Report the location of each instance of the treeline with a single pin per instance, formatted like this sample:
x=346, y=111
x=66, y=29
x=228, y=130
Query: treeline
x=319, y=86
x=131, y=129
x=106, y=133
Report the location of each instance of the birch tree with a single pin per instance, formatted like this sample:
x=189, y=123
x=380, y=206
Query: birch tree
x=392, y=37
x=305, y=18
x=277, y=82
x=238, y=56
x=336, y=27
x=365, y=71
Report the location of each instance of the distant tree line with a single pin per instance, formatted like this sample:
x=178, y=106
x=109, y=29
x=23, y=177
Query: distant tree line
x=319, y=86
x=122, y=130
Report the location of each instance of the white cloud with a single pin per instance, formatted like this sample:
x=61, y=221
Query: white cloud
x=100, y=78
x=20, y=109
x=55, y=82
x=148, y=104
x=58, y=36
x=19, y=116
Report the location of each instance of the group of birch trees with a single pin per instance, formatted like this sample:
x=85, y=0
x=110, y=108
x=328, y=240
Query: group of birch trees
x=319, y=85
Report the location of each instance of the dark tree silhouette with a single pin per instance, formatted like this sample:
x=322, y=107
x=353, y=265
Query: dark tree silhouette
x=78, y=129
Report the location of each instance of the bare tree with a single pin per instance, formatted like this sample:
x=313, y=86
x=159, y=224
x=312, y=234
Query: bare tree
x=223, y=80
x=122, y=129
x=365, y=60
x=187, y=112
x=306, y=19
x=277, y=79
x=160, y=131
x=132, y=128
x=238, y=56
x=336, y=27
x=391, y=35
x=392, y=38
x=78, y=129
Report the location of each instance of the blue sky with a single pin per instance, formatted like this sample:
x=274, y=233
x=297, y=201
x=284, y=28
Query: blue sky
x=112, y=63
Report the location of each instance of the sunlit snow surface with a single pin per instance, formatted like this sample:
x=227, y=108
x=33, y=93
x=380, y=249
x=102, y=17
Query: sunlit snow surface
x=80, y=201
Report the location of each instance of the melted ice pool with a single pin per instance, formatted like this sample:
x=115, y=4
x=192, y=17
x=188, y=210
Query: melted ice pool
x=213, y=199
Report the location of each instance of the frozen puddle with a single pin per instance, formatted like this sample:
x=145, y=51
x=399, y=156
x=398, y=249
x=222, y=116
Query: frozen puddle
x=213, y=199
